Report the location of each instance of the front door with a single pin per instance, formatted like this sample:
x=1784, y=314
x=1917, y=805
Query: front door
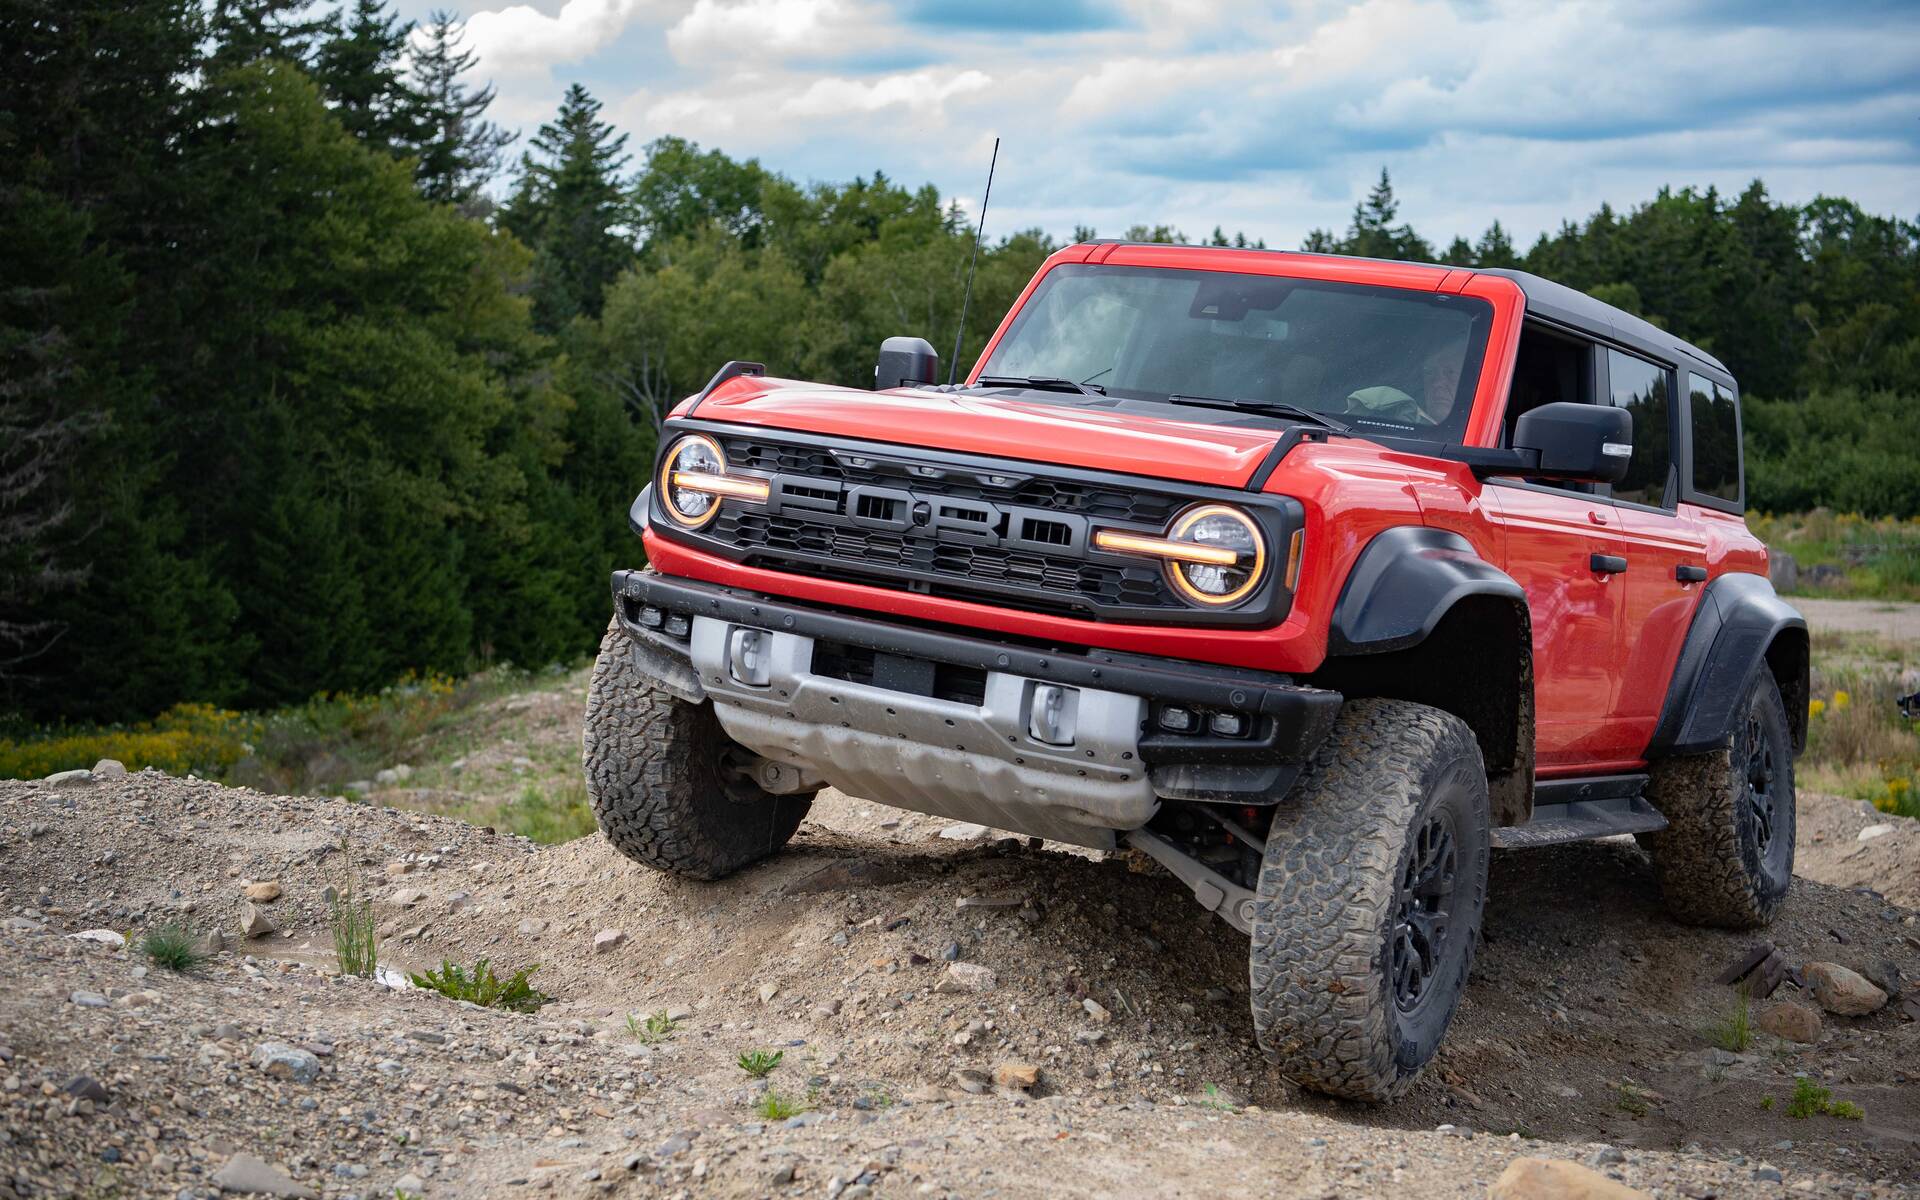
x=1565, y=549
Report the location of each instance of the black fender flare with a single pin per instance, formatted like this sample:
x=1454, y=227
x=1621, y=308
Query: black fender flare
x=1741, y=626
x=1403, y=585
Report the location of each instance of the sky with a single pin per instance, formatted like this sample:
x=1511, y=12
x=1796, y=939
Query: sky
x=1272, y=119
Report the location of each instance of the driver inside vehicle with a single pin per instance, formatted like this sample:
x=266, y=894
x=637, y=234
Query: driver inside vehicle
x=1439, y=383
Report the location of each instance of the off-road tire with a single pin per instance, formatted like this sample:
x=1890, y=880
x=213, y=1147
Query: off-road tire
x=659, y=790
x=1726, y=855
x=1326, y=1000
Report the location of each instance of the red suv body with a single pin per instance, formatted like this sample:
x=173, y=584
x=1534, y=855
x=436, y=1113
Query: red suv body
x=1192, y=506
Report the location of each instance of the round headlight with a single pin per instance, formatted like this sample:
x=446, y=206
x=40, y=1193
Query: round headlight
x=1219, y=527
x=696, y=455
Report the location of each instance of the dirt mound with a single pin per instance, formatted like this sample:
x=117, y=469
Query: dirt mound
x=1850, y=844
x=1587, y=1020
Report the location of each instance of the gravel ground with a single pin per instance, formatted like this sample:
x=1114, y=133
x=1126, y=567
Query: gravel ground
x=1582, y=1037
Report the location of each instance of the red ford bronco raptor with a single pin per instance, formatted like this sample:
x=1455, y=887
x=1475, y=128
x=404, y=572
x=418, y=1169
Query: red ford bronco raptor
x=1315, y=579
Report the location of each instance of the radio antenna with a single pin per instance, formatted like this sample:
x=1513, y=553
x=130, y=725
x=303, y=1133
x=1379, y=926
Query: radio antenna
x=966, y=298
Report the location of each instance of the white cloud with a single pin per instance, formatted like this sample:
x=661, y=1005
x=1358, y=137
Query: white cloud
x=522, y=40
x=720, y=32
x=922, y=91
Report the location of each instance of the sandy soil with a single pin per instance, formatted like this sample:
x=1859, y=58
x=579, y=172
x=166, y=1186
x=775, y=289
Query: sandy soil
x=1586, y=1023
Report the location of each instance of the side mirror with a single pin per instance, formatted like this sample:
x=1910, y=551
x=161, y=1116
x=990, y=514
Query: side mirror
x=1586, y=443
x=905, y=361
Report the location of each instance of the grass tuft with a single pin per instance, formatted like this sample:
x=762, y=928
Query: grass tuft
x=483, y=987
x=356, y=936
x=1734, y=1032
x=760, y=1064
x=1631, y=1099
x=775, y=1107
x=652, y=1029
x=171, y=946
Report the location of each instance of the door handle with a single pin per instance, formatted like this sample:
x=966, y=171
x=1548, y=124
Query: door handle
x=1607, y=564
x=1598, y=518
x=1688, y=573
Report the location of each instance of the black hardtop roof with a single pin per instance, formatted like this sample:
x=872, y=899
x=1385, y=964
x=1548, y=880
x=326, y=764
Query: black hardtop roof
x=1546, y=299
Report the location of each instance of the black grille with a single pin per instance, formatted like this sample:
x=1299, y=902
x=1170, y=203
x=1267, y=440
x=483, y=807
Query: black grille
x=1060, y=495
x=957, y=570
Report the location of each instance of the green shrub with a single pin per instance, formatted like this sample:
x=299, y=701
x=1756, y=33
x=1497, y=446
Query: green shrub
x=483, y=987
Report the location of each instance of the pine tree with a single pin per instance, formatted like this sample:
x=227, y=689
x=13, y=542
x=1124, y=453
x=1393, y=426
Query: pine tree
x=460, y=150
x=357, y=65
x=570, y=208
x=1495, y=249
x=246, y=31
x=1373, y=234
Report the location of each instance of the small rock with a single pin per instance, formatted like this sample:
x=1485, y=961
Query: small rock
x=109, y=768
x=1606, y=1156
x=972, y=1081
x=89, y=999
x=1886, y=976
x=1786, y=1019
x=106, y=937
x=265, y=892
x=533, y=926
x=1768, y=1173
x=965, y=831
x=86, y=1087
x=399, y=773
x=246, y=1174
x=1873, y=831
x=1096, y=1010
x=950, y=952
x=1009, y=900
x=767, y=992
x=406, y=897
x=963, y=977
x=1557, y=1179
x=458, y=900
x=139, y=999
x=62, y=779
x=286, y=1062
x=210, y=943
x=254, y=923
x=608, y=939
x=1842, y=991
x=1089, y=1037
x=1016, y=1075
x=411, y=1184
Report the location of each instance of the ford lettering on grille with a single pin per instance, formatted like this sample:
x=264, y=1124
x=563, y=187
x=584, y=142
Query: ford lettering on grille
x=950, y=519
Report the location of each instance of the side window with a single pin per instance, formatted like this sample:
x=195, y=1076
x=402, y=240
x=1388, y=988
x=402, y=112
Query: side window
x=1716, y=439
x=1640, y=387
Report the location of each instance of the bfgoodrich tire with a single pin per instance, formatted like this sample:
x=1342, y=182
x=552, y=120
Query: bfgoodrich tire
x=661, y=787
x=1370, y=900
x=1726, y=855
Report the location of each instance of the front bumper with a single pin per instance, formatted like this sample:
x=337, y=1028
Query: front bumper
x=946, y=723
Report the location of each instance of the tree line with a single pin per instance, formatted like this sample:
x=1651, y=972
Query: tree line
x=311, y=376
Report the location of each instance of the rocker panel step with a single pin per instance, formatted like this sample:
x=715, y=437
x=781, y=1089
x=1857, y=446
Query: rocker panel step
x=1580, y=821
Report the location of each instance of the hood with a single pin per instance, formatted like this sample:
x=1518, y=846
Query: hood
x=971, y=423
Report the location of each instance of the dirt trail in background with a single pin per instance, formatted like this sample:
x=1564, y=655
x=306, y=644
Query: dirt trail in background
x=1894, y=620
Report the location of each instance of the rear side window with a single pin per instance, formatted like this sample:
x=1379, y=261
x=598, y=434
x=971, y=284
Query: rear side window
x=1716, y=439
x=1640, y=387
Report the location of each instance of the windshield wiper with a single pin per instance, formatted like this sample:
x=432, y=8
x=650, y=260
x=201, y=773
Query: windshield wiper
x=1043, y=383
x=1279, y=408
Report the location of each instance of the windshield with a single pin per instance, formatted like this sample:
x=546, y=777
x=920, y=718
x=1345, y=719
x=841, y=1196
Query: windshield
x=1398, y=362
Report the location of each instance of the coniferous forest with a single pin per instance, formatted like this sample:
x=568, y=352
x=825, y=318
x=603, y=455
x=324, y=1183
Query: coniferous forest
x=312, y=377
